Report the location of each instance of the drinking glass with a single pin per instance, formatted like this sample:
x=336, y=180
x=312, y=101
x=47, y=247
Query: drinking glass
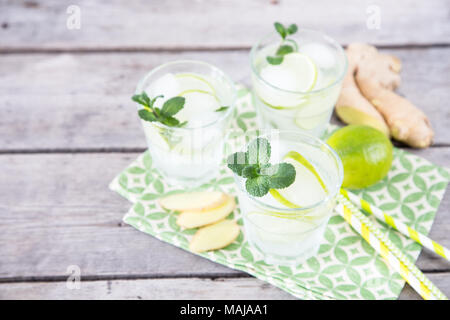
x=286, y=235
x=307, y=111
x=190, y=155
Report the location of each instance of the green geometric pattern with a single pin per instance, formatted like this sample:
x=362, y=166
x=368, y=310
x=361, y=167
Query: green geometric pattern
x=346, y=266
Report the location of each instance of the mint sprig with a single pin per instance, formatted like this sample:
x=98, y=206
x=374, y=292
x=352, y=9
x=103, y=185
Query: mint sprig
x=165, y=115
x=284, y=48
x=260, y=174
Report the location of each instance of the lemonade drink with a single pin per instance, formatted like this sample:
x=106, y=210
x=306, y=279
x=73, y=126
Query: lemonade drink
x=299, y=93
x=189, y=154
x=287, y=225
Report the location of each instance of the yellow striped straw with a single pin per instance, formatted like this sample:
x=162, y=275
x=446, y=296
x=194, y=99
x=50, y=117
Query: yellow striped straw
x=394, y=257
x=398, y=225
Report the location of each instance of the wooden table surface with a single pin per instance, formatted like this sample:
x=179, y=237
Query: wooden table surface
x=67, y=127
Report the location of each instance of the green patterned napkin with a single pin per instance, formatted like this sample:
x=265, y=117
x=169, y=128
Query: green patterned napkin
x=346, y=266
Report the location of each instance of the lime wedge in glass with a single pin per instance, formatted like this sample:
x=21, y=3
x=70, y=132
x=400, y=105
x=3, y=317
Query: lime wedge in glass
x=297, y=73
x=308, y=187
x=191, y=81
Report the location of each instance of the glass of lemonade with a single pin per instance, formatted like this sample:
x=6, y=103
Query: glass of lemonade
x=287, y=225
x=299, y=93
x=189, y=155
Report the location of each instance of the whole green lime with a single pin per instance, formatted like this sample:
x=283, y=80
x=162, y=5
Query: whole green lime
x=365, y=152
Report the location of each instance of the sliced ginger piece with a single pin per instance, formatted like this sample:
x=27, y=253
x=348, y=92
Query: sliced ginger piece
x=198, y=218
x=352, y=107
x=215, y=236
x=193, y=201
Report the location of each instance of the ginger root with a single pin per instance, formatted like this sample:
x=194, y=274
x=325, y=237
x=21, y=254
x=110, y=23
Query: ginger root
x=367, y=97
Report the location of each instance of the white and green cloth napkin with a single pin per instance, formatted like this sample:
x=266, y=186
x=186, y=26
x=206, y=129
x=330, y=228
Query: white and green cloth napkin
x=346, y=266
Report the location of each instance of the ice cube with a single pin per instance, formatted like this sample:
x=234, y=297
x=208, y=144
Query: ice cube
x=199, y=107
x=167, y=86
x=320, y=54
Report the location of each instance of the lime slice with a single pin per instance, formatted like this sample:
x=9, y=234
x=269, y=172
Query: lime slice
x=282, y=215
x=304, y=68
x=297, y=73
x=272, y=214
x=308, y=185
x=301, y=102
x=294, y=155
x=187, y=92
x=281, y=199
x=191, y=81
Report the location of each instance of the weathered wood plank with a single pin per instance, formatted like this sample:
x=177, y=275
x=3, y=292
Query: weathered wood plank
x=181, y=288
x=57, y=211
x=82, y=101
x=118, y=25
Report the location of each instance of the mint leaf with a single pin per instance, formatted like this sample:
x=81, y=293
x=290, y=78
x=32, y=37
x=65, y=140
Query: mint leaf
x=223, y=108
x=142, y=99
x=258, y=186
x=164, y=115
x=284, y=49
x=293, y=43
x=254, y=166
x=173, y=105
x=157, y=112
x=292, y=29
x=237, y=162
x=251, y=171
x=281, y=175
x=274, y=60
x=259, y=151
x=280, y=29
x=147, y=115
x=170, y=121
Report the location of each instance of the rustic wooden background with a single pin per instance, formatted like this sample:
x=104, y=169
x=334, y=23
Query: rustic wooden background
x=67, y=126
